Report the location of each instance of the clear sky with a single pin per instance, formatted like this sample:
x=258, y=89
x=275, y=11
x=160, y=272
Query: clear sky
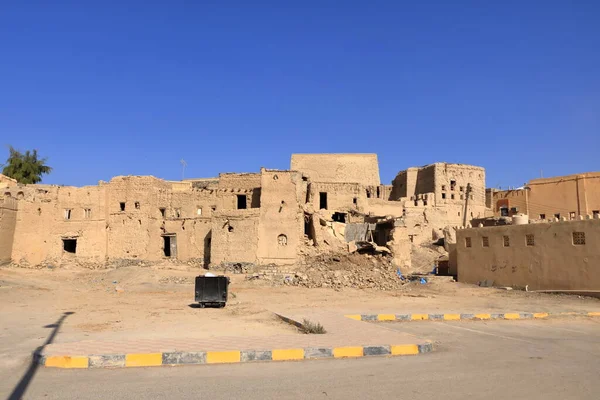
x=106, y=88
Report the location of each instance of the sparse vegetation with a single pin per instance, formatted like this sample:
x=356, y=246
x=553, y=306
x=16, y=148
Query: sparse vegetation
x=310, y=327
x=25, y=167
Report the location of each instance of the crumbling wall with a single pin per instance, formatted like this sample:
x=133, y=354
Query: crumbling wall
x=281, y=228
x=47, y=215
x=349, y=168
x=5, y=181
x=153, y=209
x=340, y=197
x=544, y=256
x=8, y=218
x=401, y=248
x=234, y=236
x=459, y=189
x=383, y=208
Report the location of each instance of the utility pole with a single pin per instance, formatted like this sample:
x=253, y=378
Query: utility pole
x=467, y=194
x=526, y=188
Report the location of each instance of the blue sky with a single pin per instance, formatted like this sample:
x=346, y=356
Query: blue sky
x=106, y=88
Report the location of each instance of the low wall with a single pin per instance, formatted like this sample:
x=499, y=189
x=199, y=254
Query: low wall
x=548, y=256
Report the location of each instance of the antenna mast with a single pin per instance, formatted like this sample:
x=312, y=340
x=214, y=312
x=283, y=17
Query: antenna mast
x=183, y=165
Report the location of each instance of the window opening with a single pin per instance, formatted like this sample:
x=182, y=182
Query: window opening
x=530, y=240
x=323, y=200
x=70, y=245
x=579, y=238
x=241, y=201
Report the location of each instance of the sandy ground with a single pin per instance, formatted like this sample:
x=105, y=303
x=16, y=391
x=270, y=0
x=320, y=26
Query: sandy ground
x=154, y=302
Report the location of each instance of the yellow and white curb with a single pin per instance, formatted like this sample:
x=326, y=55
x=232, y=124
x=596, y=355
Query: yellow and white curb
x=228, y=357
x=470, y=317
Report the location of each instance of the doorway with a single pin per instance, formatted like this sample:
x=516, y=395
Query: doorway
x=170, y=245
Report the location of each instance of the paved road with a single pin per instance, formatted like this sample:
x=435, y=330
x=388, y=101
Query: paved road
x=550, y=360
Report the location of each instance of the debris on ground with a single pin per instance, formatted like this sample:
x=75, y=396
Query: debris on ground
x=175, y=280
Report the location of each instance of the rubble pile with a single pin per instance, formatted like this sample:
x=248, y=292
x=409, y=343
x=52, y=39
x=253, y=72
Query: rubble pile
x=359, y=271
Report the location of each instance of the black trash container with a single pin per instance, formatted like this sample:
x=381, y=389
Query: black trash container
x=212, y=290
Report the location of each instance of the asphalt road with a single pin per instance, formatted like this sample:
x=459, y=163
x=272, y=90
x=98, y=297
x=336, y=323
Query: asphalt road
x=554, y=359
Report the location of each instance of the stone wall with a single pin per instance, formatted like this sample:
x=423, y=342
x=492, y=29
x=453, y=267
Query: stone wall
x=8, y=218
x=545, y=256
x=281, y=228
x=49, y=215
x=234, y=236
x=349, y=168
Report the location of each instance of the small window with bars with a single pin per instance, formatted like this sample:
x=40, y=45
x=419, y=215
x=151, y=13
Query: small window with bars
x=467, y=242
x=579, y=238
x=485, y=241
x=530, y=240
x=506, y=241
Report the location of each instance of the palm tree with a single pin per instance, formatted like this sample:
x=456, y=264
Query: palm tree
x=25, y=167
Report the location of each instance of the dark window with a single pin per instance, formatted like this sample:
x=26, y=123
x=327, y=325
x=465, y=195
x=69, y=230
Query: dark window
x=504, y=212
x=542, y=216
x=323, y=200
x=241, y=202
x=467, y=242
x=443, y=195
x=596, y=213
x=443, y=187
x=579, y=238
x=368, y=194
x=572, y=215
x=514, y=210
x=506, y=241
x=70, y=245
x=452, y=196
x=137, y=205
x=462, y=188
x=167, y=246
x=378, y=192
x=485, y=241
x=354, y=200
x=339, y=217
x=122, y=206
x=530, y=240
x=452, y=185
x=557, y=216
x=162, y=211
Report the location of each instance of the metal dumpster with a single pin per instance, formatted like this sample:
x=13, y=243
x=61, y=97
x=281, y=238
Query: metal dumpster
x=212, y=290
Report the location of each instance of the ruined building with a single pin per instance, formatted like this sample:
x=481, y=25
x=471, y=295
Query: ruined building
x=268, y=217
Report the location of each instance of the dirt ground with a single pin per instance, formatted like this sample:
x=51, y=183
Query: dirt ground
x=152, y=302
